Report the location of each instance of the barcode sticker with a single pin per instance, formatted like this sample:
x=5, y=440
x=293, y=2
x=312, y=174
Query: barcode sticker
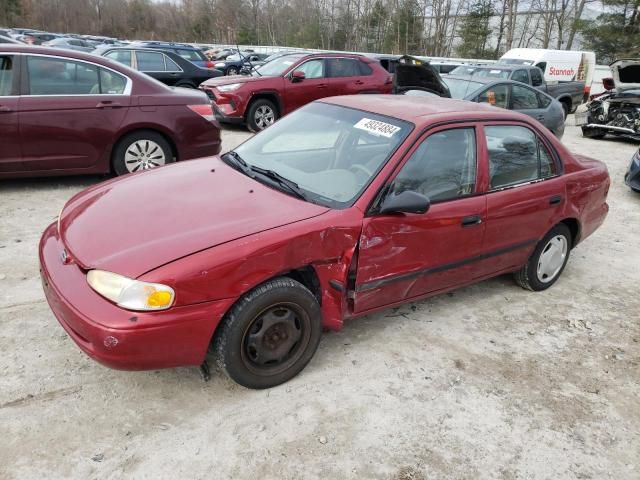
x=377, y=127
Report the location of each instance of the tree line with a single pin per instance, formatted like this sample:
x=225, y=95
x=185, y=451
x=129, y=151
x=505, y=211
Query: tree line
x=463, y=28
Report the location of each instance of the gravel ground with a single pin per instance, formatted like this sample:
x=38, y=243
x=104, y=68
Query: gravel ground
x=488, y=382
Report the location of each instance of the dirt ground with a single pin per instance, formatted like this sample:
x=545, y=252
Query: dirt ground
x=488, y=382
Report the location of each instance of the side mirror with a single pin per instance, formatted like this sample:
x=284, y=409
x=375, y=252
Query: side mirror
x=608, y=84
x=405, y=202
x=297, y=76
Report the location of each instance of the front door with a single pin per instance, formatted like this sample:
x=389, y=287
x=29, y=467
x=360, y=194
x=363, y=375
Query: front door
x=69, y=113
x=314, y=86
x=10, y=155
x=404, y=256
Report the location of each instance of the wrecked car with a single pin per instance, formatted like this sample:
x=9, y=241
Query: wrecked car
x=617, y=111
x=349, y=205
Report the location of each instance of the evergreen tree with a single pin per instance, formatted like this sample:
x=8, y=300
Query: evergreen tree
x=474, y=31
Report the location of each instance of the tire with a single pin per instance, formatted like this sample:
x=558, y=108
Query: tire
x=536, y=279
x=261, y=114
x=269, y=335
x=565, y=109
x=592, y=133
x=129, y=154
x=232, y=71
x=186, y=85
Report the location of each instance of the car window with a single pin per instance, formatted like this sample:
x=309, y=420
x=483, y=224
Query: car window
x=523, y=98
x=112, y=83
x=76, y=43
x=191, y=55
x=56, y=76
x=6, y=76
x=536, y=77
x=544, y=100
x=120, y=56
x=516, y=155
x=497, y=95
x=312, y=68
x=443, y=167
x=150, y=61
x=365, y=69
x=171, y=65
x=542, y=66
x=520, y=76
x=343, y=67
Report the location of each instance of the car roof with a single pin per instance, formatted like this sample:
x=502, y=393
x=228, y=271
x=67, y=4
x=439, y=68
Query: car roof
x=423, y=110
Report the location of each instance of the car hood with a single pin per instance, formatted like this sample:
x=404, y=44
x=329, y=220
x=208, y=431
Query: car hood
x=216, y=82
x=626, y=74
x=414, y=74
x=142, y=221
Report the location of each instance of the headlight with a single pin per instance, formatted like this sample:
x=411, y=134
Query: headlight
x=130, y=294
x=219, y=65
x=229, y=88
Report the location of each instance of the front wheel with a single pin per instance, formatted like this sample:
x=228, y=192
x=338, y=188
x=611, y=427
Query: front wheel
x=548, y=260
x=141, y=150
x=232, y=71
x=262, y=113
x=269, y=335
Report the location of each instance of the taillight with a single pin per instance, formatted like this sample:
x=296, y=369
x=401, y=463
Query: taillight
x=210, y=64
x=205, y=111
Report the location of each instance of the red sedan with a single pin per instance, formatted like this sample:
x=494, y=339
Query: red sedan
x=64, y=112
x=349, y=205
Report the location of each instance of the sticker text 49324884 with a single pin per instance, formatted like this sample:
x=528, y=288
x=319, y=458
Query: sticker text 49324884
x=377, y=127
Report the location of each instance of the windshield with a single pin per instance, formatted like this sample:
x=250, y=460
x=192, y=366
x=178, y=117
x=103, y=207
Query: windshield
x=515, y=61
x=278, y=66
x=331, y=152
x=459, y=87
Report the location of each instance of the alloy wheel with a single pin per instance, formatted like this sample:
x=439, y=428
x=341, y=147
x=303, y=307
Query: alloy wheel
x=264, y=116
x=144, y=155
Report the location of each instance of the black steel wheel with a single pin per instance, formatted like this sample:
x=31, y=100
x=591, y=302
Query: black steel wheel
x=269, y=335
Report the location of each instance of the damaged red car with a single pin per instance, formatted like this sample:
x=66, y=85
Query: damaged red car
x=346, y=206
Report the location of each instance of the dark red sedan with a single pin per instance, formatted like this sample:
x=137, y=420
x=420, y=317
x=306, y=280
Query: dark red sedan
x=64, y=112
x=347, y=206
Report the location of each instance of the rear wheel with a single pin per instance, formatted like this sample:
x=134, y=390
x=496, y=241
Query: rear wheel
x=269, y=335
x=186, y=85
x=565, y=108
x=141, y=150
x=262, y=113
x=232, y=71
x=547, y=261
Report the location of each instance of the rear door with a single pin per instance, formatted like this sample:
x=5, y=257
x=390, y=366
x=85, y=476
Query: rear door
x=345, y=77
x=525, y=197
x=314, y=86
x=403, y=256
x=10, y=154
x=526, y=100
x=155, y=65
x=70, y=111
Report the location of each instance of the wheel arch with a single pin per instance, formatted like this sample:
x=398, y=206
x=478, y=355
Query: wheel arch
x=574, y=227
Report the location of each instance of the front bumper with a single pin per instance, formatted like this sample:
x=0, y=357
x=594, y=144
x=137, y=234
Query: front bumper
x=228, y=107
x=119, y=338
x=632, y=177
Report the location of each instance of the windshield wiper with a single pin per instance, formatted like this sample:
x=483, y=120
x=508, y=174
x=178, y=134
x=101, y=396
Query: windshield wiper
x=290, y=185
x=237, y=162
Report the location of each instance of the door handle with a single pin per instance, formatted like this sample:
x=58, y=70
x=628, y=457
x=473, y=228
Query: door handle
x=555, y=200
x=471, y=220
x=108, y=104
x=323, y=85
x=5, y=109
x=359, y=82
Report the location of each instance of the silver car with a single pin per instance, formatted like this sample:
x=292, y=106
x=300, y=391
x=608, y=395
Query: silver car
x=70, y=44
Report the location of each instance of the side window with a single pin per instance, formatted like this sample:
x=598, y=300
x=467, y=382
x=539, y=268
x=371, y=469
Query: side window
x=543, y=100
x=536, y=77
x=520, y=76
x=343, y=67
x=312, y=68
x=120, y=56
x=6, y=76
x=56, y=76
x=516, y=155
x=523, y=98
x=171, y=65
x=112, y=83
x=150, y=61
x=190, y=55
x=497, y=96
x=443, y=167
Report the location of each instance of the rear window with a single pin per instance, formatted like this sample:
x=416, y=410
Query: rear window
x=6, y=75
x=365, y=69
x=191, y=55
x=150, y=61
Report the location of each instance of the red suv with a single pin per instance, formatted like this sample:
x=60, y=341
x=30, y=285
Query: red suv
x=291, y=81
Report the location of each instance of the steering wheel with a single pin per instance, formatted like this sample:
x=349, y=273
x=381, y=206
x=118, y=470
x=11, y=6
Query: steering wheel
x=357, y=168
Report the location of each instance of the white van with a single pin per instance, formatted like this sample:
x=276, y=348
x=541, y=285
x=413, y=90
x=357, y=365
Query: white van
x=557, y=65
